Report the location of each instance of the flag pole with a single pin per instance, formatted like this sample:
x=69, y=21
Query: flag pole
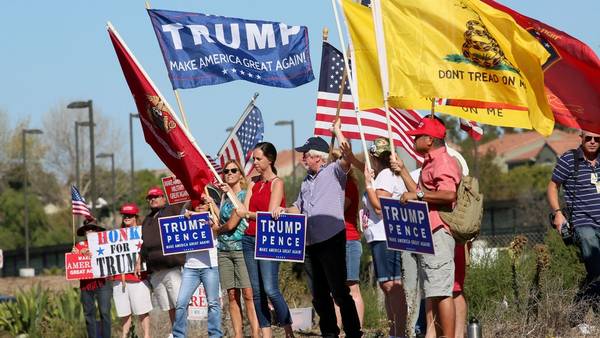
x=352, y=85
x=432, y=108
x=177, y=98
x=177, y=121
x=340, y=94
x=383, y=73
x=73, y=226
x=248, y=109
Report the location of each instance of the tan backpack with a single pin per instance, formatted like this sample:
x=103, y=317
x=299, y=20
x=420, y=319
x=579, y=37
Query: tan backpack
x=465, y=219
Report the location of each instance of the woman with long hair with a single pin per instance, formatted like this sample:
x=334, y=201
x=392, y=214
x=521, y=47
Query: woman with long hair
x=232, y=267
x=265, y=193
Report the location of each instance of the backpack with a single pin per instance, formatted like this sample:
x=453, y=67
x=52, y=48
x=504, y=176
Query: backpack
x=465, y=219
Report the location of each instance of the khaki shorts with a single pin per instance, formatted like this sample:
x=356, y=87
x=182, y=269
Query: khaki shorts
x=165, y=288
x=133, y=298
x=232, y=270
x=438, y=270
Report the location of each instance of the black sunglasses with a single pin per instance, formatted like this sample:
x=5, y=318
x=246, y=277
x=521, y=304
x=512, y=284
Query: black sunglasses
x=128, y=216
x=232, y=170
x=588, y=138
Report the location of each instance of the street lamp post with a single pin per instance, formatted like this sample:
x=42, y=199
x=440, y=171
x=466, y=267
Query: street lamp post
x=25, y=183
x=132, y=190
x=77, y=174
x=291, y=124
x=88, y=104
x=112, y=172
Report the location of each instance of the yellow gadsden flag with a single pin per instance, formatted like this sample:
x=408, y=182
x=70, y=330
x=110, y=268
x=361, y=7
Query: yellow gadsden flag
x=459, y=49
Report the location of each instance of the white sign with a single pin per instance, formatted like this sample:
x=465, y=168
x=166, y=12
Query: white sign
x=198, y=307
x=114, y=252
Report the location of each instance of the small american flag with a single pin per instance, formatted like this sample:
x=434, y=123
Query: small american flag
x=78, y=203
x=472, y=128
x=373, y=121
x=243, y=138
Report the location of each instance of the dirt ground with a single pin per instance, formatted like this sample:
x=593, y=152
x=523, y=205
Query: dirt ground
x=10, y=285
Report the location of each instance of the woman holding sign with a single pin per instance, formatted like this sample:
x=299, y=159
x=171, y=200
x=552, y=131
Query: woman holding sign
x=130, y=292
x=388, y=265
x=265, y=193
x=232, y=267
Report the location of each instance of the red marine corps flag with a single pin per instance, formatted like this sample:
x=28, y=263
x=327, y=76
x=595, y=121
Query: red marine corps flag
x=163, y=131
x=571, y=74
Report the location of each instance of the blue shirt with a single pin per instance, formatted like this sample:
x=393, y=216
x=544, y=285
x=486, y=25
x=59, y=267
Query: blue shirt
x=580, y=193
x=321, y=199
x=232, y=240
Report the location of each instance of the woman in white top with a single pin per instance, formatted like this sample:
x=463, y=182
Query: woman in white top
x=199, y=267
x=381, y=182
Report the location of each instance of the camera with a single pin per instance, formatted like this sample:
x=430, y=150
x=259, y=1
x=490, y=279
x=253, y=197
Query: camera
x=566, y=231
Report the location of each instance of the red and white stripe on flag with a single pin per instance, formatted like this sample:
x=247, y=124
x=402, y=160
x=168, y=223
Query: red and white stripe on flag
x=80, y=208
x=472, y=128
x=373, y=121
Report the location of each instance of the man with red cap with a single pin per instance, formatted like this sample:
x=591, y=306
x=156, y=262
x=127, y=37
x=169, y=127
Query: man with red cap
x=440, y=176
x=164, y=271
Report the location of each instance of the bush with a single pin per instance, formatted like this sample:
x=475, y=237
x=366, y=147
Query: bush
x=25, y=314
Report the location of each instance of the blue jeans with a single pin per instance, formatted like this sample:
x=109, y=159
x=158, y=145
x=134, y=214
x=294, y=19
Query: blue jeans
x=190, y=280
x=264, y=278
x=88, y=299
x=588, y=239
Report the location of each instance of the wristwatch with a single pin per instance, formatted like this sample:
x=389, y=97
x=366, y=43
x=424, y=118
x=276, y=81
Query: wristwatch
x=420, y=195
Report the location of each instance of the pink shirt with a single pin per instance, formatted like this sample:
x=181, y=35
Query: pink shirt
x=439, y=172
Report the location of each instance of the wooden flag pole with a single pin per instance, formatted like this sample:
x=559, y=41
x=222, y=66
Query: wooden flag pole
x=210, y=207
x=432, y=116
x=352, y=87
x=177, y=98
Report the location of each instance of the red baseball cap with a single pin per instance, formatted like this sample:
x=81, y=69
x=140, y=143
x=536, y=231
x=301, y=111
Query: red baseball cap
x=129, y=209
x=430, y=127
x=155, y=191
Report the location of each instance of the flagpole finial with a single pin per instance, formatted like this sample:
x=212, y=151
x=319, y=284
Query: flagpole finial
x=325, y=33
x=147, y=3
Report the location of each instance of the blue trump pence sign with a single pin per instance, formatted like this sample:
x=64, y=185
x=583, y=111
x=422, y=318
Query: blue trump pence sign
x=180, y=234
x=201, y=50
x=281, y=239
x=407, y=226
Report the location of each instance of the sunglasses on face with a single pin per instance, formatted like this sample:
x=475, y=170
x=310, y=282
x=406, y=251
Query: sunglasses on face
x=149, y=198
x=128, y=216
x=588, y=138
x=232, y=170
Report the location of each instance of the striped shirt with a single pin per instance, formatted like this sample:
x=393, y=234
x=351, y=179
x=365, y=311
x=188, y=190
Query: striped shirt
x=321, y=199
x=580, y=193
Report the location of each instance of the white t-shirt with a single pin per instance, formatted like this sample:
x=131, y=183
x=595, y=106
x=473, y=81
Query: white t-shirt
x=374, y=229
x=201, y=259
x=372, y=224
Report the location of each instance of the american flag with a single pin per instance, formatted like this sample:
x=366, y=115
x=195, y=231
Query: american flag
x=243, y=138
x=472, y=128
x=373, y=121
x=78, y=203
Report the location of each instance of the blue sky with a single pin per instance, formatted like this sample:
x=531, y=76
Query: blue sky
x=58, y=51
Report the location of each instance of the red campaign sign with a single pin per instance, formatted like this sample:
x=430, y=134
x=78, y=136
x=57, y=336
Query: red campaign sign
x=78, y=266
x=175, y=190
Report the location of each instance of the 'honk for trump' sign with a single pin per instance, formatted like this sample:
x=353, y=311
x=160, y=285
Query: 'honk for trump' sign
x=407, y=225
x=281, y=239
x=180, y=234
x=201, y=50
x=114, y=251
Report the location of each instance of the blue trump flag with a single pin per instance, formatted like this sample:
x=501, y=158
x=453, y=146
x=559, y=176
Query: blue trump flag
x=201, y=50
x=407, y=226
x=180, y=234
x=281, y=239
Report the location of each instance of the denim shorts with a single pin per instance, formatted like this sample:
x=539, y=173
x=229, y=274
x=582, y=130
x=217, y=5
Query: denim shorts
x=353, y=253
x=388, y=263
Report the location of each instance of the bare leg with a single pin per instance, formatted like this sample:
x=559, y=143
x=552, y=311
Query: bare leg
x=235, y=311
x=145, y=324
x=289, y=333
x=431, y=316
x=460, y=307
x=395, y=305
x=444, y=307
x=338, y=315
x=358, y=301
x=125, y=325
x=172, y=316
x=251, y=312
x=266, y=332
